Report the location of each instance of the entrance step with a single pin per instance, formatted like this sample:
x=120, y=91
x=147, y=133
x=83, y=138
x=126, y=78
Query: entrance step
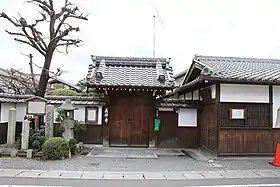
x=133, y=153
x=128, y=153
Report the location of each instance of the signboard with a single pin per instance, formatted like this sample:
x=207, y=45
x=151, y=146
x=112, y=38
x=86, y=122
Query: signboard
x=36, y=106
x=157, y=125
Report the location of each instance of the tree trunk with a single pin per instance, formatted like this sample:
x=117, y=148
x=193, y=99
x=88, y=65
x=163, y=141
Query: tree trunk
x=43, y=82
x=44, y=78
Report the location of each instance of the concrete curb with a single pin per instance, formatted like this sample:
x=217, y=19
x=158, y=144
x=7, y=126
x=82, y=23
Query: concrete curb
x=109, y=175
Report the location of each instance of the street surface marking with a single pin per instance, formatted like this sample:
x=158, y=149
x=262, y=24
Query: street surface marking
x=242, y=185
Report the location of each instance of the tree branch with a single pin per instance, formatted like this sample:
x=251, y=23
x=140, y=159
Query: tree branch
x=44, y=18
x=14, y=33
x=8, y=18
x=42, y=4
x=57, y=35
x=19, y=82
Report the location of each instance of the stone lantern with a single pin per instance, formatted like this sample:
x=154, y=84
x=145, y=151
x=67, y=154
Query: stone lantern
x=68, y=119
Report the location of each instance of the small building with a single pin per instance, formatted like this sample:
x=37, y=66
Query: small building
x=84, y=105
x=240, y=99
x=131, y=85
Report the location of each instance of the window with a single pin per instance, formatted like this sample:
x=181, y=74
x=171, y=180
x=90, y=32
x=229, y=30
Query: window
x=237, y=113
x=91, y=115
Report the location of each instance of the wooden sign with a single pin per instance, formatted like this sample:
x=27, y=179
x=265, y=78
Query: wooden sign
x=36, y=106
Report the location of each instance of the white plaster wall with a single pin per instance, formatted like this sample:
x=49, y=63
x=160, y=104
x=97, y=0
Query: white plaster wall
x=5, y=107
x=20, y=111
x=182, y=96
x=276, y=103
x=80, y=113
x=244, y=93
x=187, y=117
x=188, y=96
x=213, y=91
x=196, y=95
x=100, y=115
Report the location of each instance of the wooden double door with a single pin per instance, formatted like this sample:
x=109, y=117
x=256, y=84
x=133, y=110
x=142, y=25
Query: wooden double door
x=129, y=121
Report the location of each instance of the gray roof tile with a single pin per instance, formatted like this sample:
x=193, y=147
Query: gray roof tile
x=237, y=68
x=130, y=72
x=78, y=100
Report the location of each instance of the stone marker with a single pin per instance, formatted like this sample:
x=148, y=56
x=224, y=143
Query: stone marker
x=14, y=152
x=11, y=134
x=49, y=121
x=25, y=134
x=29, y=153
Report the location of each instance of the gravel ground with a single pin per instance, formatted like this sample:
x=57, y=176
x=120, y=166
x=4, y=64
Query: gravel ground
x=84, y=163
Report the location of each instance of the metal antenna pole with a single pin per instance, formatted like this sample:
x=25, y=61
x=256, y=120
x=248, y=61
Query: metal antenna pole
x=154, y=37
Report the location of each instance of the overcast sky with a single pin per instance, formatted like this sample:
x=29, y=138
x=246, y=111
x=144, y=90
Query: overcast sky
x=248, y=28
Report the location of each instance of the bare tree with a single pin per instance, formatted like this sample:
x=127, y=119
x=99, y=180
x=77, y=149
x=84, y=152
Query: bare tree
x=58, y=34
x=17, y=82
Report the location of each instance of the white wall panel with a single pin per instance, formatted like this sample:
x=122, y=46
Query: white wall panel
x=276, y=104
x=187, y=117
x=244, y=93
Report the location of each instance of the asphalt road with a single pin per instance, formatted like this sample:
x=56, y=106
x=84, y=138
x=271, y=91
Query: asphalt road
x=139, y=183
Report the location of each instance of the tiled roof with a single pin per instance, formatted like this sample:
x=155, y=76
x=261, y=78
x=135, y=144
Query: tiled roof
x=241, y=69
x=130, y=72
x=55, y=79
x=77, y=100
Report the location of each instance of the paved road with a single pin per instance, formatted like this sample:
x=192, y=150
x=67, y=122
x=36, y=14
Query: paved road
x=139, y=183
x=163, y=164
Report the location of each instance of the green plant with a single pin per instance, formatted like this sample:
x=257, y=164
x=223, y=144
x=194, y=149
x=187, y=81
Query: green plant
x=60, y=115
x=39, y=137
x=79, y=127
x=64, y=92
x=55, y=148
x=58, y=130
x=36, y=146
x=72, y=146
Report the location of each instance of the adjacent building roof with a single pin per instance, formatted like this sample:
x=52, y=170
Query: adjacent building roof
x=76, y=100
x=179, y=77
x=108, y=71
x=240, y=69
x=177, y=103
x=58, y=80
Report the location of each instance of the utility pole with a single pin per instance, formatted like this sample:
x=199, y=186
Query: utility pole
x=154, y=38
x=31, y=70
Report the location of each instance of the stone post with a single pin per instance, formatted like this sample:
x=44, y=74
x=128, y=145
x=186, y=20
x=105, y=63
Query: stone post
x=25, y=134
x=11, y=134
x=49, y=121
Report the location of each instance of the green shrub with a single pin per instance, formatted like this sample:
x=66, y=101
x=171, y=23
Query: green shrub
x=36, y=145
x=37, y=136
x=64, y=92
x=72, y=146
x=55, y=148
x=79, y=127
x=58, y=130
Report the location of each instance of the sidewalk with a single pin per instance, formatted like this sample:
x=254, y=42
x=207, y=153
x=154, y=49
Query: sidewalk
x=98, y=175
